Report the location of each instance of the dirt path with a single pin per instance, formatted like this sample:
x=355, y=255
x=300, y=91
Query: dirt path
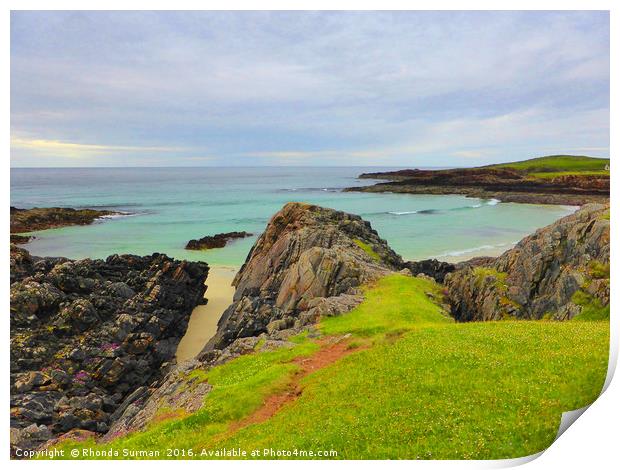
x=329, y=353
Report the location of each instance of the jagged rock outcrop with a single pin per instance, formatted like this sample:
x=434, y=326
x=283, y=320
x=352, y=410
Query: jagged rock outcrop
x=87, y=334
x=21, y=263
x=541, y=275
x=308, y=261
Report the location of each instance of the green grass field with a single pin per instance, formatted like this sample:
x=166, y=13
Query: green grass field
x=418, y=385
x=559, y=165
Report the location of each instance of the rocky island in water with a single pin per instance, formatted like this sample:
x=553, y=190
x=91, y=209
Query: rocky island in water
x=219, y=240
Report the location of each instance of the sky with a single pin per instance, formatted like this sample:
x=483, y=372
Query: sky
x=401, y=89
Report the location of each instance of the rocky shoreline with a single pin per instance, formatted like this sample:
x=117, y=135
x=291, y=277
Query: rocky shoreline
x=311, y=262
x=44, y=218
x=504, y=184
x=306, y=253
x=90, y=336
x=93, y=342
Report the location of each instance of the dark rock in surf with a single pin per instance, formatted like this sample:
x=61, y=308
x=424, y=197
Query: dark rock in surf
x=43, y=218
x=20, y=239
x=215, y=241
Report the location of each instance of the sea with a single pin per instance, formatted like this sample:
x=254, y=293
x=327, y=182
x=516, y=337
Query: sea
x=163, y=208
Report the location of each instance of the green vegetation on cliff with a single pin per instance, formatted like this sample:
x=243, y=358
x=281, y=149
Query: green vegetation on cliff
x=414, y=384
x=559, y=165
x=367, y=249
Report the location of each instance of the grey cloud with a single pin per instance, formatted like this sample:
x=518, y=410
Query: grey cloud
x=238, y=84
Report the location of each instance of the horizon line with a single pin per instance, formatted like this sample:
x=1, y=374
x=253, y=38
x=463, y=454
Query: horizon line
x=221, y=166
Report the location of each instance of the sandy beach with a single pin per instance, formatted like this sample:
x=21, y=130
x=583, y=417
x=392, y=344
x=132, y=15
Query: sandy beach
x=203, y=322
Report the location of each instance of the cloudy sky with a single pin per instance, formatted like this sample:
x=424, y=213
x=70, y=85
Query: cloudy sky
x=304, y=88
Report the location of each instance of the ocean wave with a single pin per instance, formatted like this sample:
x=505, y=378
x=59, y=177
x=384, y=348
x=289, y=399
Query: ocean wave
x=311, y=190
x=489, y=202
x=249, y=220
x=485, y=202
x=402, y=213
x=421, y=211
x=366, y=214
x=465, y=251
x=121, y=215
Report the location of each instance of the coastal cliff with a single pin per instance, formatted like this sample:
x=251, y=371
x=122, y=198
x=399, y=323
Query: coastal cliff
x=569, y=180
x=87, y=335
x=558, y=272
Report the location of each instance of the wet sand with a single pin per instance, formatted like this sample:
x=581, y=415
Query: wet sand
x=203, y=322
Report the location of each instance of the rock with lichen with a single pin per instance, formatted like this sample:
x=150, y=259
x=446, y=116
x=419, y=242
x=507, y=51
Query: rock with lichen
x=553, y=273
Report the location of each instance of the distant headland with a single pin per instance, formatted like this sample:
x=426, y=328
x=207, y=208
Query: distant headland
x=554, y=179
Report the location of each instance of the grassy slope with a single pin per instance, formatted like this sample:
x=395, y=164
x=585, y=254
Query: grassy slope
x=425, y=387
x=559, y=165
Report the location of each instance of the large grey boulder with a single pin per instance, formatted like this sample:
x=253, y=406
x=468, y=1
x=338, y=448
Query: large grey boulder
x=306, y=253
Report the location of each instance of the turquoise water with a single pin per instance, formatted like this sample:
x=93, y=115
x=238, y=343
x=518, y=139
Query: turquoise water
x=169, y=206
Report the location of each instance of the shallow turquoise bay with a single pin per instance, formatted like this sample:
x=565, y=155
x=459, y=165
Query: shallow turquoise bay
x=169, y=206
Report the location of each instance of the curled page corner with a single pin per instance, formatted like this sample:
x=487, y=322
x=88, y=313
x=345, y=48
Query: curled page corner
x=516, y=462
x=568, y=418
